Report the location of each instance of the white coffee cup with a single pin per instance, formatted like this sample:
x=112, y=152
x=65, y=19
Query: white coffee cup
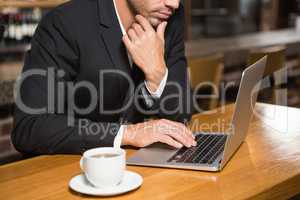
x=104, y=171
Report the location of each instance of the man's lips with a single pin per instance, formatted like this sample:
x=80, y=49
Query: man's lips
x=166, y=12
x=163, y=15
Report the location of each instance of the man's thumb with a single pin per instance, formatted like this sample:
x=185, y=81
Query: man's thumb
x=161, y=30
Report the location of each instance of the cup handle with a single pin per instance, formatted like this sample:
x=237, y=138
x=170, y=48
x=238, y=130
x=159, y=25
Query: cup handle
x=81, y=163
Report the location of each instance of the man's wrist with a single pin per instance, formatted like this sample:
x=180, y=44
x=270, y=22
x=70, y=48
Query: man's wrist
x=125, y=138
x=154, y=80
x=157, y=94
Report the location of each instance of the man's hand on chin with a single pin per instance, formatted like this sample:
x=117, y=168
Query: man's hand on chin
x=147, y=47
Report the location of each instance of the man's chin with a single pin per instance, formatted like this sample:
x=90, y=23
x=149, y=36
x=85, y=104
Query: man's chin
x=155, y=21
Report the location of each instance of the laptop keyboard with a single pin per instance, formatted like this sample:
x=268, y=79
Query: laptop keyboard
x=208, y=148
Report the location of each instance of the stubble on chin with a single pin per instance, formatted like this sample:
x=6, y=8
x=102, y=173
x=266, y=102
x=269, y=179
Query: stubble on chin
x=154, y=21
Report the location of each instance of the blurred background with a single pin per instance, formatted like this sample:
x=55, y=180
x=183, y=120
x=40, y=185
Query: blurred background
x=222, y=38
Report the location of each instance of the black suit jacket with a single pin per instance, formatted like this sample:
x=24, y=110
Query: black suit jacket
x=83, y=38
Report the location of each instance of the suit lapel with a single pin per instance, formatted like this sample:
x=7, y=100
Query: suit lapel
x=112, y=39
x=111, y=35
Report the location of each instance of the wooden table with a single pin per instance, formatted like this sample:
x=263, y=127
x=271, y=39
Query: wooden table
x=267, y=166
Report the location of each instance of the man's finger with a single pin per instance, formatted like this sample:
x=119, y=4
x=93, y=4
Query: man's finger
x=182, y=129
x=132, y=35
x=144, y=23
x=127, y=42
x=138, y=29
x=161, y=30
x=169, y=141
x=176, y=134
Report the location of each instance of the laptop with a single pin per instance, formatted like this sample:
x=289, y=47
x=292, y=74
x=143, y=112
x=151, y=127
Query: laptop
x=213, y=150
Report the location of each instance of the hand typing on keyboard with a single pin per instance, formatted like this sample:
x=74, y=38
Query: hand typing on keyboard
x=172, y=133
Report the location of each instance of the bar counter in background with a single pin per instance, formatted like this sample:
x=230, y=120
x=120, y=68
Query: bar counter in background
x=236, y=48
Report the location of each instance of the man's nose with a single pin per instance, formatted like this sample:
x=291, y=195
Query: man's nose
x=173, y=4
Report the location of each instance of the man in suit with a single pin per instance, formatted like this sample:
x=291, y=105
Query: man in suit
x=97, y=70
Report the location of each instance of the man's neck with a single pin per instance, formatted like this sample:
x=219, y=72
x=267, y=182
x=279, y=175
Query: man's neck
x=126, y=13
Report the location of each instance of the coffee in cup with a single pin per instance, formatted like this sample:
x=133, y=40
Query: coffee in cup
x=104, y=167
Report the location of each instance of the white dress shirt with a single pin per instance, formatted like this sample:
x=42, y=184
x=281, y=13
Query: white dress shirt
x=156, y=94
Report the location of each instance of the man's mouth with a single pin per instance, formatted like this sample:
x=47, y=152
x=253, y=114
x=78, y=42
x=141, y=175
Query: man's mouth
x=166, y=12
x=164, y=15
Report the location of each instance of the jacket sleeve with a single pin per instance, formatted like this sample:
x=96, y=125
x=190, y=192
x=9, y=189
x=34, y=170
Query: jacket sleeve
x=46, y=131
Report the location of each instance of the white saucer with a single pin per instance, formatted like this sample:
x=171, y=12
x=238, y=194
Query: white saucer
x=131, y=181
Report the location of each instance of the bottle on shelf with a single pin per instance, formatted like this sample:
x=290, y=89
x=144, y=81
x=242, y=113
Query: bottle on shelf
x=11, y=29
x=2, y=28
x=20, y=26
x=19, y=36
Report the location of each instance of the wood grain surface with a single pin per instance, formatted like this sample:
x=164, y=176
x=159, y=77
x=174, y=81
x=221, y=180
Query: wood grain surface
x=267, y=166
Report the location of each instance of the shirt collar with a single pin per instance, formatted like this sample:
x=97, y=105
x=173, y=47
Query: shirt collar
x=119, y=19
